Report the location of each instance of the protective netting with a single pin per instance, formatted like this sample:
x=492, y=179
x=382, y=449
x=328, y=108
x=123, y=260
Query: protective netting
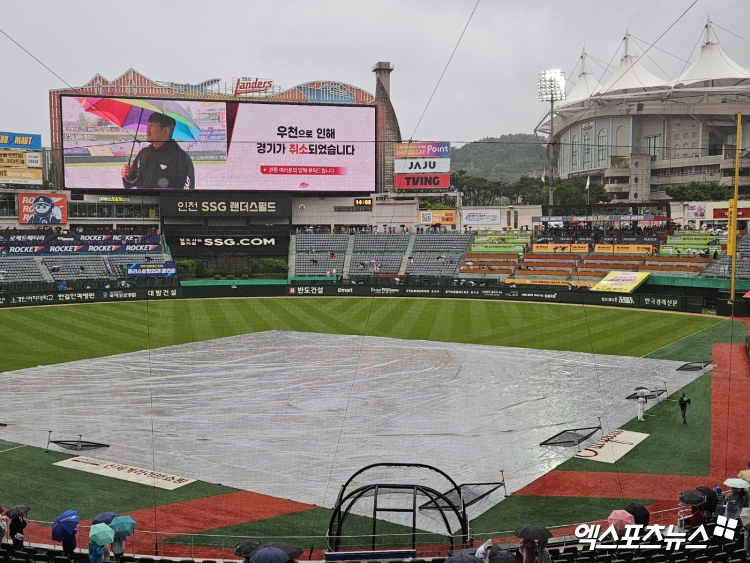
x=79, y=445
x=694, y=366
x=572, y=437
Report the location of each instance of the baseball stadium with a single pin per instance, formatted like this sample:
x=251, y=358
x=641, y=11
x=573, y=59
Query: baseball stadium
x=291, y=360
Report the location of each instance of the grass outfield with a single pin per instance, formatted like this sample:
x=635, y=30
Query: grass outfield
x=47, y=335
x=671, y=448
x=310, y=528
x=28, y=477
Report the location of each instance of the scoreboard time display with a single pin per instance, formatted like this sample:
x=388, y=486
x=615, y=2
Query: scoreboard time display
x=363, y=202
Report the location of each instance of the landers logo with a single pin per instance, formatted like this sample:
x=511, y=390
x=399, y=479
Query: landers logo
x=246, y=85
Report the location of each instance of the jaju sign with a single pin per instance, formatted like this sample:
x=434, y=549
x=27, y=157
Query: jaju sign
x=421, y=165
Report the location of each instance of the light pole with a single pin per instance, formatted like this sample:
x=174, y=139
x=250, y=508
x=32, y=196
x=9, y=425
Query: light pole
x=551, y=87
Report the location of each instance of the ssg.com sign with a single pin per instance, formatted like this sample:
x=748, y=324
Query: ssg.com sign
x=257, y=241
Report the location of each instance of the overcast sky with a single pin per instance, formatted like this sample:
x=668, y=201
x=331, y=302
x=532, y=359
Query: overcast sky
x=489, y=88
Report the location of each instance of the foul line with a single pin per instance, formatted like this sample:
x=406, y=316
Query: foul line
x=684, y=337
x=11, y=449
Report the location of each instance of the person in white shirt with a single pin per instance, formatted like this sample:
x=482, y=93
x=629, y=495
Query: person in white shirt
x=483, y=552
x=641, y=405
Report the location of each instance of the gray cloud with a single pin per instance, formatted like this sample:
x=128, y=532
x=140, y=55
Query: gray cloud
x=489, y=88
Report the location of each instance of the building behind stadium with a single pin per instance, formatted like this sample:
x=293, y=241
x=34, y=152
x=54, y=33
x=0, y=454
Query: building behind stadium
x=638, y=133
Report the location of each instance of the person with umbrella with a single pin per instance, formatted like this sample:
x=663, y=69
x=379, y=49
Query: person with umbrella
x=642, y=400
x=17, y=525
x=100, y=535
x=735, y=502
x=64, y=530
x=684, y=402
x=162, y=164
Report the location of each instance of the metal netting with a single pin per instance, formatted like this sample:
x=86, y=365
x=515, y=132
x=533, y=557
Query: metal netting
x=694, y=366
x=78, y=446
x=571, y=437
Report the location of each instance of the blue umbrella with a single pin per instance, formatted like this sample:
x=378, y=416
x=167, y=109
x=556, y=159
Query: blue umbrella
x=123, y=526
x=269, y=555
x=104, y=517
x=64, y=525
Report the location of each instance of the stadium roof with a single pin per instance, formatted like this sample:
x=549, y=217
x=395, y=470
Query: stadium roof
x=631, y=75
x=713, y=64
x=585, y=87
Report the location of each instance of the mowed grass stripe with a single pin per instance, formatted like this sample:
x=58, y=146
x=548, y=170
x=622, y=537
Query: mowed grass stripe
x=47, y=335
x=50, y=489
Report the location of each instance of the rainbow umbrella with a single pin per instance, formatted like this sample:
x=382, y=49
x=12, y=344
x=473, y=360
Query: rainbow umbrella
x=133, y=114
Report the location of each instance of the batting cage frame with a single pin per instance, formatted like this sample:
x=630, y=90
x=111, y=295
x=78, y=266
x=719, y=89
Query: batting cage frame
x=416, y=495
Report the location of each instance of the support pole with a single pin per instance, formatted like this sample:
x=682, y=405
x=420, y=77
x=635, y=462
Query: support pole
x=551, y=143
x=732, y=211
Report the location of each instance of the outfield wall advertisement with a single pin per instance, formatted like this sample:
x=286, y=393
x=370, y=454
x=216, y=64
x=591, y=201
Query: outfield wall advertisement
x=108, y=143
x=310, y=289
x=250, y=244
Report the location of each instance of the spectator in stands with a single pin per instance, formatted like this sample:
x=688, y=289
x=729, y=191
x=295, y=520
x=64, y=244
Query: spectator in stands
x=3, y=526
x=735, y=502
x=720, y=501
x=529, y=550
x=162, y=164
x=15, y=529
x=96, y=553
x=716, y=254
x=69, y=544
x=118, y=548
x=483, y=553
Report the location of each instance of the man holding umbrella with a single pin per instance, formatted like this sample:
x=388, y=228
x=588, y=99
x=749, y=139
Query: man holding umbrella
x=162, y=164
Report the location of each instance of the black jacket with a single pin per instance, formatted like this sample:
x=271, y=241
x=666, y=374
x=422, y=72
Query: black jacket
x=168, y=167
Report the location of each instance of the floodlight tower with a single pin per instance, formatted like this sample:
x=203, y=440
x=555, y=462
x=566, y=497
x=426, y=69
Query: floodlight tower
x=551, y=87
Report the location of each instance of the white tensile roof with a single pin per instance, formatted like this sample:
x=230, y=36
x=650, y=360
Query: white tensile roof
x=631, y=75
x=713, y=64
x=585, y=87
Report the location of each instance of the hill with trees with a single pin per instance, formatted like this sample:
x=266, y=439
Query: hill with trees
x=507, y=157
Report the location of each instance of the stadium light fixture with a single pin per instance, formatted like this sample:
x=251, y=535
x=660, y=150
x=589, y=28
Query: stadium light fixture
x=551, y=87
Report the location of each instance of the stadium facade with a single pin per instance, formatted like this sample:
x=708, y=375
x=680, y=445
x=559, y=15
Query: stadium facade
x=639, y=134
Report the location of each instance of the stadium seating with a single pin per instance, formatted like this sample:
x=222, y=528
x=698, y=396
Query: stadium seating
x=20, y=268
x=381, y=242
x=444, y=243
x=378, y=263
x=68, y=267
x=325, y=242
x=432, y=264
x=318, y=264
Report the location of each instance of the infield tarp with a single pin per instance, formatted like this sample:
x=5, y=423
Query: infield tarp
x=295, y=414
